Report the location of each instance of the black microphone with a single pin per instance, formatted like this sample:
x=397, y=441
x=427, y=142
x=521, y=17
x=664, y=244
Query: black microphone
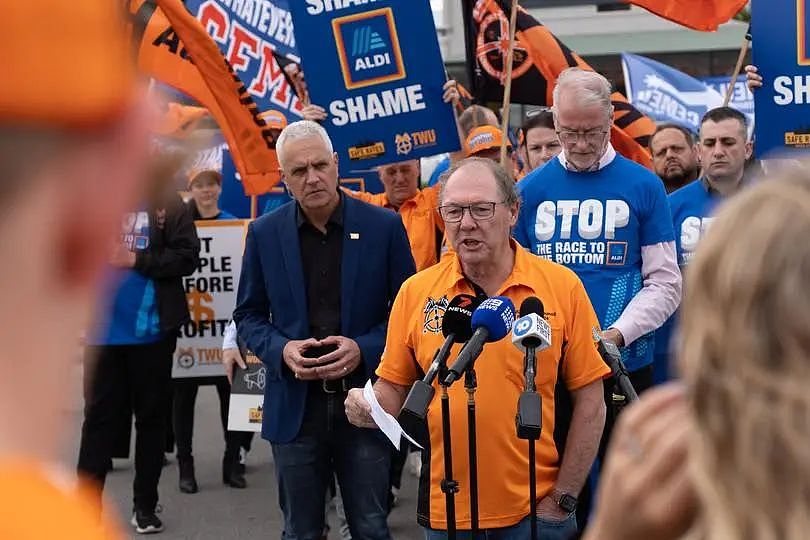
x=531, y=333
x=613, y=358
x=457, y=328
x=492, y=320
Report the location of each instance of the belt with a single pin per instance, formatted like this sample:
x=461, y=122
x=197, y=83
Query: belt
x=336, y=385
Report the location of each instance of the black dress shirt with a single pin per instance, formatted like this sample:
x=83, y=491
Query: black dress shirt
x=321, y=260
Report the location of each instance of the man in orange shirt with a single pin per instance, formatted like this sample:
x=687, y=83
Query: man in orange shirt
x=416, y=207
x=479, y=205
x=73, y=145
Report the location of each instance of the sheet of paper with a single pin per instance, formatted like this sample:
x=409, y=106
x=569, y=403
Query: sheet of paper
x=387, y=423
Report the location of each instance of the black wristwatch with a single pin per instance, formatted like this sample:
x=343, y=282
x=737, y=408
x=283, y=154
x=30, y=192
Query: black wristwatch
x=564, y=500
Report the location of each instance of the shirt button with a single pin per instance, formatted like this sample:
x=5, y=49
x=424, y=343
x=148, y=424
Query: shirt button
x=323, y=242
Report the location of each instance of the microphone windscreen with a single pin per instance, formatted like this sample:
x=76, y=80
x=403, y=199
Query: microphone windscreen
x=496, y=314
x=457, y=318
x=532, y=304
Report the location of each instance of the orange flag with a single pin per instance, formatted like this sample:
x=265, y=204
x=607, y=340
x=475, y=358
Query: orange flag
x=704, y=15
x=538, y=59
x=167, y=37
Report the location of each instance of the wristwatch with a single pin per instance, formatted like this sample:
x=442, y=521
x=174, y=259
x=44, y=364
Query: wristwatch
x=566, y=501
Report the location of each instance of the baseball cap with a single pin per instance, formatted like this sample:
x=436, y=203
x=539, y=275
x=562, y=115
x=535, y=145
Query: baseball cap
x=180, y=120
x=485, y=138
x=274, y=119
x=195, y=172
x=65, y=63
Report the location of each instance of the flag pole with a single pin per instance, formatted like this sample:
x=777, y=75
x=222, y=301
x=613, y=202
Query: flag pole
x=738, y=68
x=254, y=206
x=507, y=88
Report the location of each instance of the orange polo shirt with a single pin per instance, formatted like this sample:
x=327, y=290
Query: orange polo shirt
x=34, y=507
x=503, y=463
x=421, y=219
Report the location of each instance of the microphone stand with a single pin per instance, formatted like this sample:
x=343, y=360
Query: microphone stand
x=529, y=424
x=449, y=486
x=470, y=384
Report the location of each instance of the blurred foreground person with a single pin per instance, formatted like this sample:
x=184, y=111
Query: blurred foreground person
x=732, y=443
x=73, y=143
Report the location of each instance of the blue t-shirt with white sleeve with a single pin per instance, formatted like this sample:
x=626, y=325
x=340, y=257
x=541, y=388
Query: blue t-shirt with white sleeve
x=596, y=223
x=692, y=207
x=131, y=315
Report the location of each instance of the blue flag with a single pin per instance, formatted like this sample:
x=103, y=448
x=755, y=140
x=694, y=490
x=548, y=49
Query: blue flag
x=257, y=39
x=666, y=94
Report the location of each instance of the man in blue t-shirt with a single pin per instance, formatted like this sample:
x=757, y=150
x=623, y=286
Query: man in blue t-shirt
x=723, y=149
x=606, y=218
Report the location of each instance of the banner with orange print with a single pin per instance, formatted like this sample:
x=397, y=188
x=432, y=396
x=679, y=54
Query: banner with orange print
x=211, y=295
x=166, y=38
x=539, y=57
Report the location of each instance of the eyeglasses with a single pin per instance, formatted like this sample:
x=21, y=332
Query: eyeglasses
x=453, y=213
x=568, y=136
x=534, y=112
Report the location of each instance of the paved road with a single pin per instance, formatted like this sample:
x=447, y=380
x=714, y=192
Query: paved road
x=218, y=511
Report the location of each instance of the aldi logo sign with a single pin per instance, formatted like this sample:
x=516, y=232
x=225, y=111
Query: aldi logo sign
x=368, y=47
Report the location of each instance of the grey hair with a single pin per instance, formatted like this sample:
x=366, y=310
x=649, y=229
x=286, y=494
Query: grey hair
x=301, y=130
x=589, y=87
x=505, y=183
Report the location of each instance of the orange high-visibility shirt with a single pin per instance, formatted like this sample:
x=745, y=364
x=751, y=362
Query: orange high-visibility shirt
x=421, y=219
x=34, y=507
x=414, y=335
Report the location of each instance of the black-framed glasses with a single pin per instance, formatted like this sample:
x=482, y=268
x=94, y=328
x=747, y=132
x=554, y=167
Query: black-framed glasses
x=568, y=136
x=482, y=211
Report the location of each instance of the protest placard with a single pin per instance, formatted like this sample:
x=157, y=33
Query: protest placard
x=211, y=295
x=377, y=70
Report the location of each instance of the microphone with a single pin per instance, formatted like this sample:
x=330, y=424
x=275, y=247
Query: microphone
x=491, y=321
x=530, y=333
x=531, y=330
x=457, y=328
x=613, y=358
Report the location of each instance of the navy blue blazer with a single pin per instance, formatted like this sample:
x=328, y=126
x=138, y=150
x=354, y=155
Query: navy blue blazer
x=271, y=306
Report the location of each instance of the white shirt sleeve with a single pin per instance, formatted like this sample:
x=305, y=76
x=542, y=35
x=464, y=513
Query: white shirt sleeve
x=659, y=296
x=229, y=337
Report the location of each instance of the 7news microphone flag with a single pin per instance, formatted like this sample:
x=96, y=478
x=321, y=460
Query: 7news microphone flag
x=539, y=57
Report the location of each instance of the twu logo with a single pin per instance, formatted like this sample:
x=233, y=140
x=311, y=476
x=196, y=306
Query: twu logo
x=366, y=40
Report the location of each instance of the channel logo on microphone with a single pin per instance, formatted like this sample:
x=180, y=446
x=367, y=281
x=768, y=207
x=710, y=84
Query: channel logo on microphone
x=522, y=326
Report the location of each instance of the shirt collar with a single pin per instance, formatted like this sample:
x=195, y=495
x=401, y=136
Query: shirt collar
x=520, y=274
x=744, y=181
x=607, y=158
x=335, y=219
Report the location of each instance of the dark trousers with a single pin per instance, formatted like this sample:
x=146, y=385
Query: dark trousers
x=185, y=396
x=642, y=379
x=116, y=376
x=328, y=445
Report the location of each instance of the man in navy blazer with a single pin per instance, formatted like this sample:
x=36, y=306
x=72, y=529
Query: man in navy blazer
x=319, y=277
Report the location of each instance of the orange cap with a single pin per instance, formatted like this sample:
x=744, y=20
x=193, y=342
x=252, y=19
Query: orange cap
x=180, y=120
x=274, y=119
x=65, y=63
x=195, y=172
x=485, y=138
